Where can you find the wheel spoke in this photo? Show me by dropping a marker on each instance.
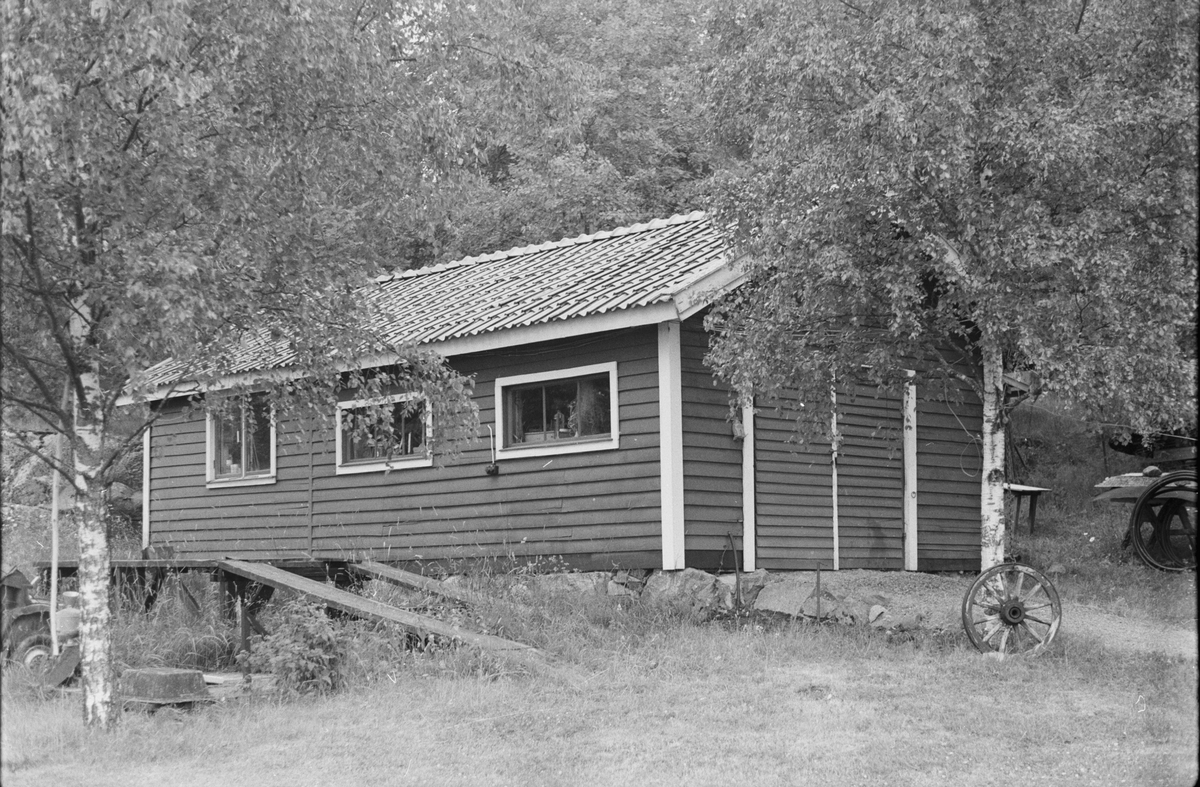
(1039, 606)
(1004, 640)
(1037, 620)
(1034, 634)
(989, 633)
(1016, 591)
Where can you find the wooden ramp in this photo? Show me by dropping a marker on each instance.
(398, 576)
(358, 606)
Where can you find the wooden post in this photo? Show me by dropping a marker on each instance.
(243, 596)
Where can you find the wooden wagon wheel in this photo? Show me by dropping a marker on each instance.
(1163, 522)
(1011, 608)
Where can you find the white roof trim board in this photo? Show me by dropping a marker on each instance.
(644, 274)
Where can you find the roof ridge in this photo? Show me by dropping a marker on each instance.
(517, 251)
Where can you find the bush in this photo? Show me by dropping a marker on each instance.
(304, 652)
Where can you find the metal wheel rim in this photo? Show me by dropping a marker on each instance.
(35, 656)
(1013, 609)
(1163, 523)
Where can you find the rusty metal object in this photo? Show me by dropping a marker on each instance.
(1011, 609)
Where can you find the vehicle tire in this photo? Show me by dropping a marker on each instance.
(34, 653)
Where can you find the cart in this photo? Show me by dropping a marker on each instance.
(1162, 524)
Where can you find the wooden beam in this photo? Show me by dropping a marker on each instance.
(358, 606)
(408, 579)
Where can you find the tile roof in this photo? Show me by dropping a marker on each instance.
(625, 268)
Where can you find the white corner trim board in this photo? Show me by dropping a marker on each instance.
(670, 425)
(749, 503)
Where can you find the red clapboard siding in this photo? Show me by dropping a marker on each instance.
(870, 479)
(712, 458)
(595, 509)
(948, 481)
(793, 497)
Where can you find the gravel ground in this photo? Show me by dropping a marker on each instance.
(937, 598)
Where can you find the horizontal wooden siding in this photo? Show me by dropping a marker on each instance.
(793, 496)
(595, 510)
(712, 459)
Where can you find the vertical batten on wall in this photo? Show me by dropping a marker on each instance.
(670, 425)
(833, 472)
(910, 476)
(748, 484)
(146, 487)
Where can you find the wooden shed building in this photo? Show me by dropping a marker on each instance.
(611, 445)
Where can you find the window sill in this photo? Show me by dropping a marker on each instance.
(552, 449)
(222, 483)
(383, 467)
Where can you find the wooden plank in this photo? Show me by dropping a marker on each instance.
(408, 579)
(371, 609)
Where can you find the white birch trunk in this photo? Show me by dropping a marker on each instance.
(992, 494)
(95, 637)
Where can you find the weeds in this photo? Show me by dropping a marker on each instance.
(304, 652)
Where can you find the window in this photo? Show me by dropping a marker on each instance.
(566, 411)
(383, 434)
(241, 443)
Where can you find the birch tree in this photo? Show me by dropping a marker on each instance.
(180, 175)
(1018, 178)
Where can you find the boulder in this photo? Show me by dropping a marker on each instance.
(699, 588)
(751, 585)
(627, 583)
(575, 582)
(785, 597)
(829, 607)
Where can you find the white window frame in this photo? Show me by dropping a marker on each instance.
(210, 439)
(575, 446)
(425, 459)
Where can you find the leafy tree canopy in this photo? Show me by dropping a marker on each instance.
(178, 174)
(1017, 173)
(622, 139)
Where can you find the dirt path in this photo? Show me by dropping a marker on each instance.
(1131, 635)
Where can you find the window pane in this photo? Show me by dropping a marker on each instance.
(227, 444)
(558, 410)
(408, 424)
(592, 415)
(527, 415)
(560, 403)
(242, 439)
(374, 433)
(258, 429)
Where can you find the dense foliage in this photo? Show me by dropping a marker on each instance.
(1022, 173)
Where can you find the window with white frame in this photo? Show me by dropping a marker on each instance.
(383, 433)
(241, 442)
(564, 411)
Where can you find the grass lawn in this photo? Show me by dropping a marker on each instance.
(690, 704)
